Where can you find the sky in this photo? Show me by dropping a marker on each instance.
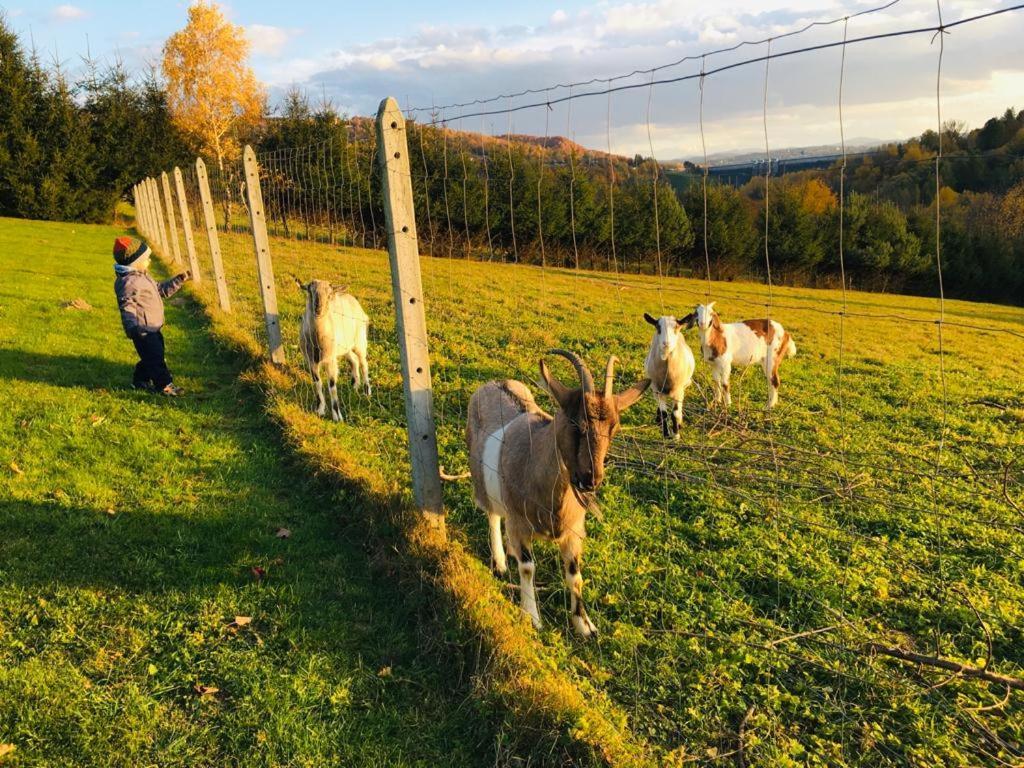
(432, 55)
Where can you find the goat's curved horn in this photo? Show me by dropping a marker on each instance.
(586, 380)
(609, 377)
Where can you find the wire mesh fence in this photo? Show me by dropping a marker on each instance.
(760, 576)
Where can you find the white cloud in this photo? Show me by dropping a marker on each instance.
(888, 84)
(268, 40)
(67, 12)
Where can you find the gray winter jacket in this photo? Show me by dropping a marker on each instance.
(140, 299)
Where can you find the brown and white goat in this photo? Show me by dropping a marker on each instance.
(540, 472)
(333, 325)
(748, 342)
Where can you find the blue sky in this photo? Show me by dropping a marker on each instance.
(451, 50)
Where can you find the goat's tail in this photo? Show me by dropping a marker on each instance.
(453, 478)
(790, 346)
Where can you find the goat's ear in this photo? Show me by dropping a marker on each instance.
(687, 322)
(557, 389)
(339, 289)
(650, 320)
(626, 398)
(711, 306)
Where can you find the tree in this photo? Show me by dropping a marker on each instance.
(731, 236)
(879, 249)
(212, 93)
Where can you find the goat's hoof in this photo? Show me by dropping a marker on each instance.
(584, 626)
(336, 417)
(535, 620)
(499, 569)
(321, 411)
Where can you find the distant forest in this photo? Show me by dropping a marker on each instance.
(72, 150)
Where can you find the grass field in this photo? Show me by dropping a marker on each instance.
(739, 576)
(131, 528)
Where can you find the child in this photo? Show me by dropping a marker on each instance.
(140, 299)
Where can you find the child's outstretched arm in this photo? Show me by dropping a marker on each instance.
(170, 287)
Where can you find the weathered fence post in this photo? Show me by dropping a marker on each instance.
(211, 235)
(147, 207)
(403, 249)
(186, 225)
(136, 204)
(140, 210)
(172, 225)
(258, 224)
(158, 225)
(154, 233)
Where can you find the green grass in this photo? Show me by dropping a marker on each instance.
(131, 525)
(738, 576)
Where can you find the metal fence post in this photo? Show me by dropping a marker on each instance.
(186, 225)
(210, 220)
(261, 244)
(172, 225)
(407, 289)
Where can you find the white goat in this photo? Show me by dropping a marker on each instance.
(540, 472)
(744, 343)
(669, 366)
(333, 325)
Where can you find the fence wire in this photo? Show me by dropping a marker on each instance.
(757, 564)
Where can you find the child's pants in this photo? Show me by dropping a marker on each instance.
(151, 369)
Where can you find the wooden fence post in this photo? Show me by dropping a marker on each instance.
(158, 225)
(140, 210)
(407, 290)
(172, 225)
(210, 221)
(258, 223)
(153, 232)
(147, 209)
(136, 202)
(186, 225)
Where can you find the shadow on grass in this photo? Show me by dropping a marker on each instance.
(65, 370)
(173, 552)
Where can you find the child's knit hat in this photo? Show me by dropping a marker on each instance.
(127, 250)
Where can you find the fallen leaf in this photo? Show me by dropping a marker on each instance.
(384, 672)
(97, 419)
(206, 690)
(5, 750)
(241, 621)
(258, 573)
(110, 512)
(283, 533)
(81, 304)
(16, 469)
(151, 669)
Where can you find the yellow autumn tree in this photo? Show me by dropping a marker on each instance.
(212, 93)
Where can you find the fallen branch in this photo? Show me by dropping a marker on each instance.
(964, 670)
(452, 478)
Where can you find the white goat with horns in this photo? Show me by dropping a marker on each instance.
(669, 366)
(748, 342)
(333, 325)
(540, 472)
